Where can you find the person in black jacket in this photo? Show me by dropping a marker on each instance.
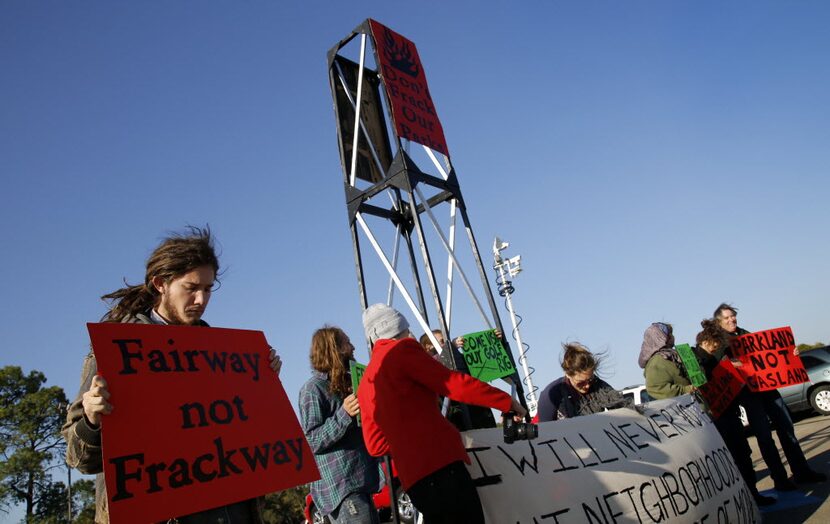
(712, 344)
(479, 417)
(580, 391)
(765, 410)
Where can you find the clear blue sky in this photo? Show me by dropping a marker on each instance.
(648, 160)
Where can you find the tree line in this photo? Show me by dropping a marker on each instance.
(807, 347)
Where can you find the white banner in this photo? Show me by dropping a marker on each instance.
(665, 462)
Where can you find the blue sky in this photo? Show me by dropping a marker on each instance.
(648, 160)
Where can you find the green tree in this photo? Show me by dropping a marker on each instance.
(807, 347)
(30, 441)
(83, 501)
(285, 507)
(51, 507)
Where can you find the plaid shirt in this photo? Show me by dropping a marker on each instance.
(337, 442)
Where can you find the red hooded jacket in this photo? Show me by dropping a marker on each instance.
(398, 398)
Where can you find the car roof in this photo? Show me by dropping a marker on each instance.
(822, 353)
(635, 386)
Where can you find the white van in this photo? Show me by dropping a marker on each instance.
(636, 394)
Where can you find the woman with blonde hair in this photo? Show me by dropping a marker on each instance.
(328, 409)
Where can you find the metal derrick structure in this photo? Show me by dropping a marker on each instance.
(386, 188)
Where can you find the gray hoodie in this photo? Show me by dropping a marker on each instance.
(657, 338)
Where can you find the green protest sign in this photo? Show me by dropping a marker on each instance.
(696, 375)
(357, 370)
(486, 356)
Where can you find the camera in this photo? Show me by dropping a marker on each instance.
(514, 431)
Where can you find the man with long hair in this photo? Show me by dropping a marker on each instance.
(712, 343)
(179, 278)
(765, 410)
(328, 412)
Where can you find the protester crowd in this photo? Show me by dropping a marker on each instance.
(401, 400)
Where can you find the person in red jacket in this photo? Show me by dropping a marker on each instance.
(397, 395)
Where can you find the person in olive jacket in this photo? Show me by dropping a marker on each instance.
(665, 374)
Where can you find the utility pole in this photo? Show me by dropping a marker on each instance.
(510, 267)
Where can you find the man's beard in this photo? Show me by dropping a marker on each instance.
(172, 316)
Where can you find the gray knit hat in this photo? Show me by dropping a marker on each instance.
(382, 321)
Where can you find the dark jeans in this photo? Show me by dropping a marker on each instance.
(357, 508)
(238, 512)
(447, 496)
(766, 410)
(731, 430)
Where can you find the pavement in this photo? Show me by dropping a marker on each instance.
(810, 503)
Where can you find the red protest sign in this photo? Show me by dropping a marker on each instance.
(768, 359)
(406, 88)
(199, 420)
(722, 387)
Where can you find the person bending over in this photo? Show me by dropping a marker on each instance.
(580, 391)
(397, 397)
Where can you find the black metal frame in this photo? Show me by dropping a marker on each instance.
(401, 179)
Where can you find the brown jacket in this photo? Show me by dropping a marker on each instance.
(83, 452)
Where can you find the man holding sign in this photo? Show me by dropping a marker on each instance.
(479, 416)
(179, 278)
(763, 407)
(721, 394)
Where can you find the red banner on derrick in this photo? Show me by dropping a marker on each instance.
(199, 421)
(768, 359)
(406, 88)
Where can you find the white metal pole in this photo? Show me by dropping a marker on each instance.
(360, 121)
(390, 292)
(398, 283)
(448, 309)
(356, 136)
(531, 393)
(453, 209)
(454, 261)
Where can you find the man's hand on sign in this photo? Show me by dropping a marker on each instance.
(351, 406)
(459, 341)
(737, 363)
(274, 361)
(95, 401)
(517, 408)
